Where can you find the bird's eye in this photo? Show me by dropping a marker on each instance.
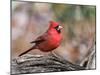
(57, 27)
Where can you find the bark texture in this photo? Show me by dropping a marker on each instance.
(40, 63)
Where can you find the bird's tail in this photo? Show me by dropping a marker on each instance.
(33, 47)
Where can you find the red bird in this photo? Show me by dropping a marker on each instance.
(49, 40)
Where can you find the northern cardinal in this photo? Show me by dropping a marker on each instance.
(50, 40)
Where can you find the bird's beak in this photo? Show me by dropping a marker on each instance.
(60, 27)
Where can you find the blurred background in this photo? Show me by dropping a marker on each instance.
(31, 19)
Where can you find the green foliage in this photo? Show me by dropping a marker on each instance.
(88, 11)
(67, 12)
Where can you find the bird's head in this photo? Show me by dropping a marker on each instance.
(56, 26)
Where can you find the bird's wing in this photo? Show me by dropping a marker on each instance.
(40, 39)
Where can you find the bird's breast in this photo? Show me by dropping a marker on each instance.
(53, 40)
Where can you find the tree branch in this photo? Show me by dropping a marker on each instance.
(41, 63)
